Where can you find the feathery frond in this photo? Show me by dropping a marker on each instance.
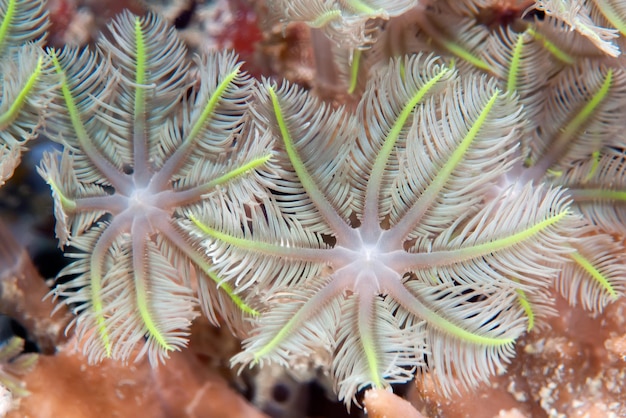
(26, 78)
(598, 187)
(576, 14)
(346, 21)
(143, 147)
(394, 256)
(595, 274)
(13, 364)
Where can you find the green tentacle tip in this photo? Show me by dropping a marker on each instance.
(354, 71)
(244, 168)
(515, 65)
(604, 282)
(9, 14)
(528, 309)
(325, 18)
(22, 97)
(212, 103)
(220, 283)
(68, 204)
(554, 173)
(197, 222)
(551, 47)
(237, 300)
(372, 361)
(363, 8)
(104, 337)
(462, 53)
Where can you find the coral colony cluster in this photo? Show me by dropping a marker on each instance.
(410, 215)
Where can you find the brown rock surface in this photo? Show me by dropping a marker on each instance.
(573, 368)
